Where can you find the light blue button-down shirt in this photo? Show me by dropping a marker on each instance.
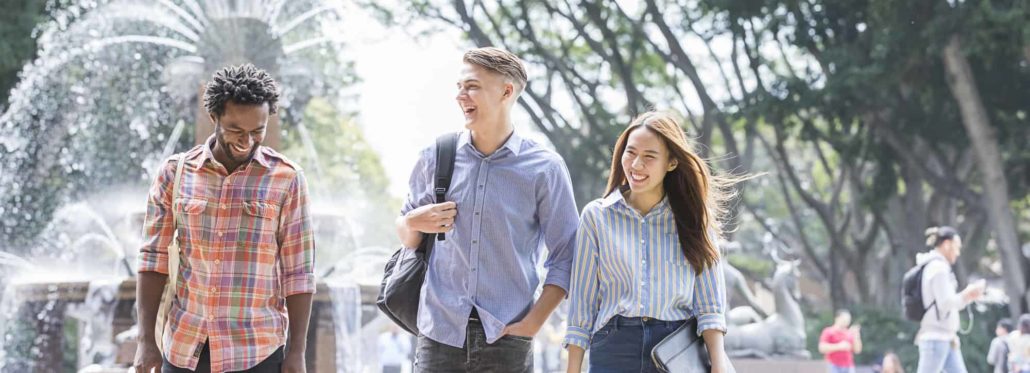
(511, 205)
(631, 265)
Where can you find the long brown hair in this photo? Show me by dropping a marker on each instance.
(696, 196)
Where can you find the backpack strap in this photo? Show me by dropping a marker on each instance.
(446, 150)
(936, 310)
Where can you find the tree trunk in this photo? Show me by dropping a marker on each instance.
(985, 146)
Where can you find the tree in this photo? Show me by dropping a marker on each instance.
(593, 82)
(17, 42)
(849, 99)
(345, 175)
(985, 143)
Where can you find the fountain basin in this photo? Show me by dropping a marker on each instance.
(57, 297)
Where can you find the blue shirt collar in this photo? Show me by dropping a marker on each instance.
(514, 143)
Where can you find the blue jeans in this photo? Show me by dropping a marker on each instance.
(624, 344)
(508, 354)
(839, 369)
(940, 356)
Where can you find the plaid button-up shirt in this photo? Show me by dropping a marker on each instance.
(246, 243)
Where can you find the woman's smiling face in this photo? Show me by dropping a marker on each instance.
(646, 160)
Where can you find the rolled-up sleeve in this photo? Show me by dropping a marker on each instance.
(709, 303)
(418, 183)
(159, 223)
(584, 298)
(419, 188)
(558, 222)
(296, 240)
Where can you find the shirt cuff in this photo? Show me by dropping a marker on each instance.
(577, 336)
(153, 262)
(559, 278)
(303, 283)
(708, 321)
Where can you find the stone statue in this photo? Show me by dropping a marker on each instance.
(738, 292)
(736, 285)
(782, 334)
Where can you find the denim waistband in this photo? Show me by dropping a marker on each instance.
(619, 321)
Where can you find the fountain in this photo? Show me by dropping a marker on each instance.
(118, 74)
(108, 99)
(74, 305)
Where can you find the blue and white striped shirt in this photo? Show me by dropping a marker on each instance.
(630, 265)
(511, 205)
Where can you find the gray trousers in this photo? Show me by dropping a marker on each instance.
(509, 354)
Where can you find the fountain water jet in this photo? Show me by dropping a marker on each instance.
(115, 75)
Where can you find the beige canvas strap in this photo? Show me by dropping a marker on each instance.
(173, 263)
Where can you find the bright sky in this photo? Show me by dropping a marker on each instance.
(407, 93)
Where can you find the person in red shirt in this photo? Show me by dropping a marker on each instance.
(840, 342)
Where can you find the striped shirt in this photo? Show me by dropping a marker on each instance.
(511, 205)
(246, 243)
(630, 265)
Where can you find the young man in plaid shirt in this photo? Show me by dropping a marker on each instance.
(245, 241)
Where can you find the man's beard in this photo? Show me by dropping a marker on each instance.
(227, 150)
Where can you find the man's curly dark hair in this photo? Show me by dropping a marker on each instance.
(243, 84)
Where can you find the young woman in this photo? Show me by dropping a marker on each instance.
(646, 257)
(938, 332)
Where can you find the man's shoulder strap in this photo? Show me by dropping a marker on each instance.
(446, 149)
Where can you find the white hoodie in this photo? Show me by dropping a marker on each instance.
(940, 323)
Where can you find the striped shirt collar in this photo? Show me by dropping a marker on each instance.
(514, 143)
(616, 197)
(207, 153)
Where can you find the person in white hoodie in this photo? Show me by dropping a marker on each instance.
(938, 332)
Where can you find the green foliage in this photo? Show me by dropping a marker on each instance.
(343, 169)
(342, 154)
(40, 329)
(754, 267)
(17, 44)
(881, 332)
(888, 331)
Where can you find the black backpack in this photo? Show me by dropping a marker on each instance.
(399, 293)
(912, 293)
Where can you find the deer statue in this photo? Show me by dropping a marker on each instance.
(737, 291)
(782, 334)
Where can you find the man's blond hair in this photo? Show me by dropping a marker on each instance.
(499, 61)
